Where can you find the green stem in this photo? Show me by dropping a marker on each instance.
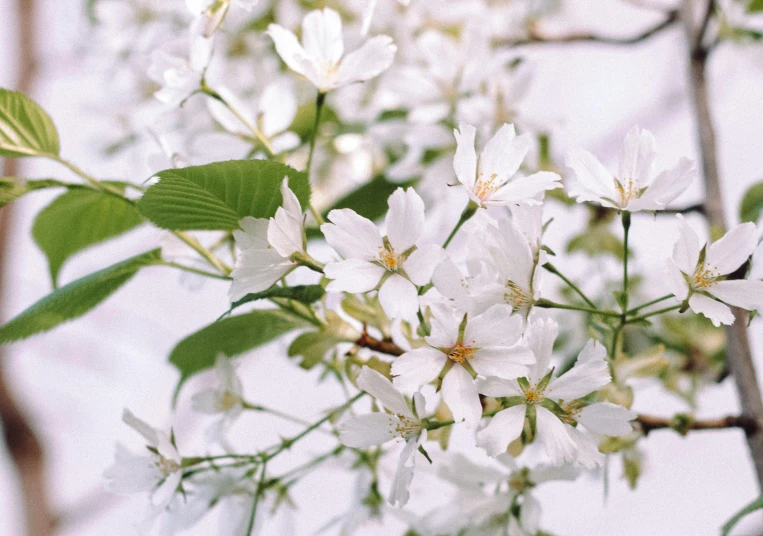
(653, 313)
(319, 101)
(312, 463)
(204, 252)
(469, 211)
(92, 181)
(551, 268)
(303, 259)
(626, 218)
(434, 425)
(647, 304)
(277, 413)
(547, 304)
(257, 495)
(195, 271)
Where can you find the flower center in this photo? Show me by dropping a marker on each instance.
(704, 276)
(227, 401)
(389, 258)
(460, 354)
(516, 296)
(405, 427)
(571, 414)
(485, 187)
(627, 189)
(534, 395)
(167, 467)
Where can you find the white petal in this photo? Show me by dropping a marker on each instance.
(288, 48)
(637, 156)
(465, 160)
(399, 493)
(420, 264)
(540, 337)
(592, 351)
(502, 361)
(460, 394)
(352, 235)
(580, 380)
(253, 233)
(687, 248)
(525, 189)
(163, 495)
(149, 433)
(674, 280)
(729, 252)
(714, 310)
(368, 13)
(363, 431)
(745, 294)
(417, 367)
(591, 175)
(399, 298)
(226, 374)
(588, 451)
(369, 61)
(131, 473)
(449, 281)
(670, 183)
(322, 35)
(494, 327)
(382, 389)
(445, 322)
(497, 387)
(503, 428)
(206, 401)
(503, 154)
(285, 229)
(551, 431)
(405, 219)
(353, 275)
(257, 270)
(607, 418)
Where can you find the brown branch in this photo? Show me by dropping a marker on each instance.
(738, 352)
(537, 39)
(648, 423)
(385, 346)
(24, 447)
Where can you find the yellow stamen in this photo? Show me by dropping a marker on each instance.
(461, 354)
(389, 258)
(483, 188)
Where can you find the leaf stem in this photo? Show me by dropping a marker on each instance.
(257, 495)
(653, 313)
(204, 252)
(548, 304)
(469, 211)
(92, 181)
(320, 99)
(647, 304)
(553, 269)
(195, 270)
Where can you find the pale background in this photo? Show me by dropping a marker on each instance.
(75, 380)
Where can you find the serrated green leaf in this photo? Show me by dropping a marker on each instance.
(752, 203)
(11, 188)
(216, 196)
(301, 293)
(25, 128)
(230, 336)
(757, 504)
(312, 346)
(75, 299)
(78, 219)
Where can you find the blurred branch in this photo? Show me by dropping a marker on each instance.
(648, 424)
(385, 346)
(24, 447)
(536, 38)
(738, 352)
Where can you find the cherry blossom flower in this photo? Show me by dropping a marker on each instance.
(461, 347)
(320, 56)
(635, 187)
(224, 400)
(403, 421)
(489, 179)
(697, 272)
(554, 403)
(158, 472)
(395, 263)
(267, 246)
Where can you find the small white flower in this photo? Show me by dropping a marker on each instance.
(489, 179)
(267, 246)
(158, 472)
(395, 263)
(368, 13)
(698, 271)
(634, 188)
(224, 400)
(403, 421)
(319, 57)
(486, 345)
(540, 391)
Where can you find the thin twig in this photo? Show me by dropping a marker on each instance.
(747, 424)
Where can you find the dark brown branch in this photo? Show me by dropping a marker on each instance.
(536, 38)
(24, 447)
(648, 424)
(738, 351)
(385, 346)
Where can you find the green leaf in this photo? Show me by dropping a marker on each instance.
(312, 346)
(752, 203)
(755, 6)
(230, 336)
(75, 299)
(596, 240)
(757, 504)
(25, 128)
(11, 188)
(216, 196)
(301, 293)
(78, 219)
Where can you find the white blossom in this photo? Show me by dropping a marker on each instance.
(225, 400)
(697, 272)
(319, 57)
(635, 187)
